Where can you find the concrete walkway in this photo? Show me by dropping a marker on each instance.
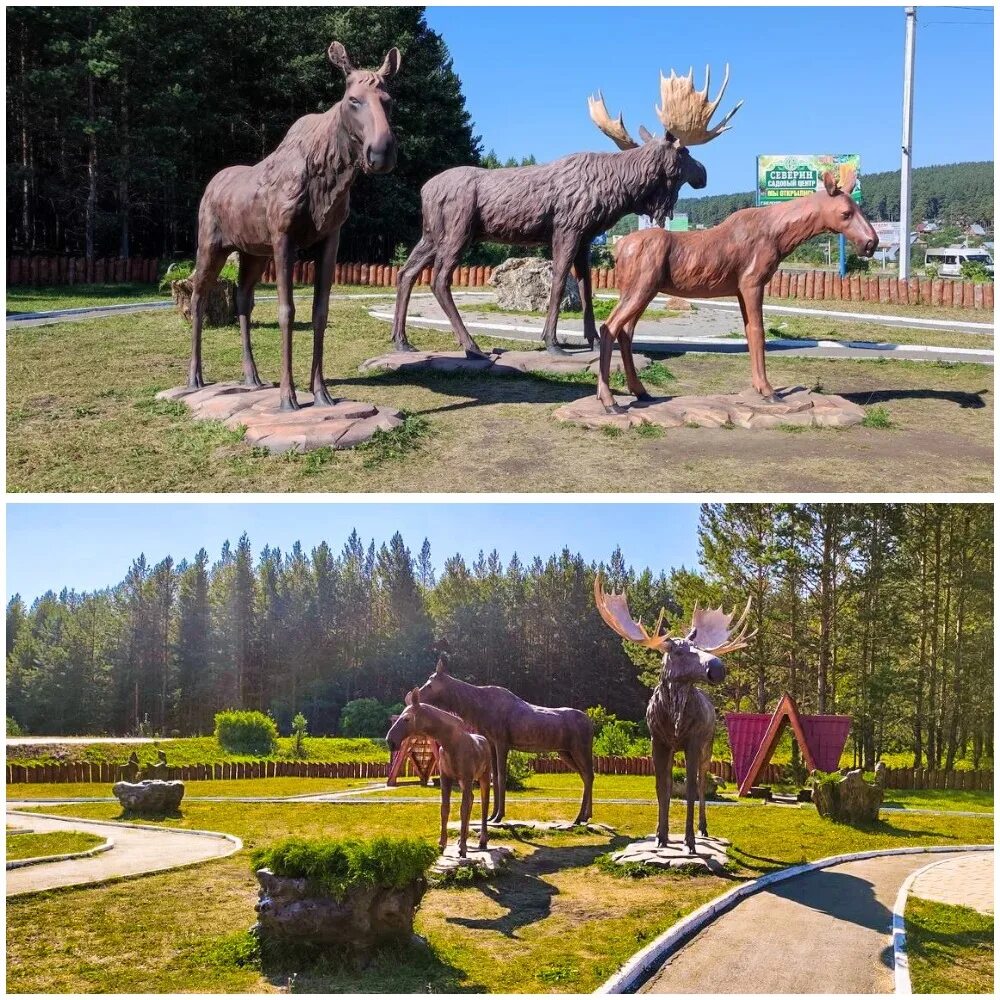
(137, 851)
(966, 880)
(827, 931)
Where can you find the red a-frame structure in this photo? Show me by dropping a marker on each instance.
(422, 751)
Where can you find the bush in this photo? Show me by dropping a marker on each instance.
(13, 728)
(931, 270)
(300, 730)
(365, 717)
(400, 255)
(335, 866)
(178, 270)
(252, 733)
(520, 767)
(856, 264)
(974, 271)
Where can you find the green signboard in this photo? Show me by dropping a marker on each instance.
(679, 223)
(782, 178)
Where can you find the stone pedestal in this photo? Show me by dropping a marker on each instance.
(710, 854)
(486, 863)
(343, 425)
(499, 362)
(149, 796)
(543, 826)
(849, 800)
(796, 407)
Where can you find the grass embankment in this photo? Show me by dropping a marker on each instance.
(950, 948)
(45, 845)
(818, 328)
(555, 922)
(82, 417)
(195, 750)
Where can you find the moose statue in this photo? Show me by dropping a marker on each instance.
(563, 204)
(679, 716)
(295, 199)
(737, 257)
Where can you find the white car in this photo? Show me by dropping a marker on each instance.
(949, 260)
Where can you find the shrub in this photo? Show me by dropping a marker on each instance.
(520, 767)
(252, 733)
(856, 264)
(400, 255)
(300, 730)
(972, 270)
(931, 270)
(335, 866)
(365, 717)
(181, 269)
(13, 728)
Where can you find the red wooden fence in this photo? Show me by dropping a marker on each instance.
(898, 777)
(39, 270)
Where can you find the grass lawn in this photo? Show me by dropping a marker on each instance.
(817, 328)
(26, 299)
(602, 310)
(555, 922)
(950, 948)
(194, 750)
(236, 788)
(886, 309)
(82, 417)
(43, 845)
(940, 798)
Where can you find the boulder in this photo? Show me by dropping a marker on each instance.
(220, 304)
(524, 284)
(294, 910)
(880, 774)
(849, 799)
(149, 796)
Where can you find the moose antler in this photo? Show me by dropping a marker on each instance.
(614, 610)
(712, 630)
(686, 112)
(613, 128)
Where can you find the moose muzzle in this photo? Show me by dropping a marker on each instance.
(380, 158)
(715, 670)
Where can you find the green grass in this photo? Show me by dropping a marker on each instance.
(234, 788)
(554, 921)
(950, 948)
(195, 750)
(602, 310)
(968, 800)
(25, 299)
(877, 416)
(44, 845)
(817, 328)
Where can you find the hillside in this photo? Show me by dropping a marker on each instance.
(953, 192)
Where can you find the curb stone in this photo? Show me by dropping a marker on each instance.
(45, 859)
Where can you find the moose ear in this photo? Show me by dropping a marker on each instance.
(338, 56)
(414, 698)
(442, 664)
(645, 134)
(830, 183)
(848, 179)
(390, 67)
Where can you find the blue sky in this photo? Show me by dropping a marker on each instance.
(814, 79)
(89, 546)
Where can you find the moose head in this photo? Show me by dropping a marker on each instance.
(408, 723)
(696, 657)
(841, 214)
(366, 108)
(685, 114)
(435, 690)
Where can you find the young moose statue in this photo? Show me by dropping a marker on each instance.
(465, 758)
(737, 257)
(295, 199)
(679, 716)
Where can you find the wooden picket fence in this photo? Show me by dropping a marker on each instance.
(40, 270)
(71, 773)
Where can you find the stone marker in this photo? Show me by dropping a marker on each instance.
(797, 406)
(849, 800)
(149, 796)
(524, 284)
(220, 301)
(710, 854)
(343, 425)
(487, 863)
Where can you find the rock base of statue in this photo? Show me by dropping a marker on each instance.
(542, 826)
(293, 911)
(220, 303)
(149, 796)
(792, 407)
(710, 854)
(486, 863)
(524, 284)
(498, 362)
(848, 800)
(343, 425)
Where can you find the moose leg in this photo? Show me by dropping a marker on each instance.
(751, 306)
(583, 764)
(632, 379)
(484, 798)
(447, 258)
(321, 310)
(702, 779)
(423, 253)
(692, 760)
(500, 792)
(564, 250)
(604, 393)
(251, 268)
(445, 811)
(284, 259)
(582, 267)
(466, 814)
(663, 767)
(210, 263)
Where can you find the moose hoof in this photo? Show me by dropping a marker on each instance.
(195, 382)
(323, 399)
(404, 348)
(253, 383)
(289, 405)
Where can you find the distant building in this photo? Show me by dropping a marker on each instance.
(976, 230)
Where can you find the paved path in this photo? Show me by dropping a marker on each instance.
(966, 880)
(135, 852)
(823, 932)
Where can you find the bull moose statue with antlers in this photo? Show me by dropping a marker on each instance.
(737, 257)
(295, 199)
(563, 204)
(679, 716)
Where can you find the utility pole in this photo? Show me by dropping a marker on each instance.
(907, 165)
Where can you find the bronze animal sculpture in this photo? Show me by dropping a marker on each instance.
(465, 758)
(680, 716)
(737, 257)
(510, 723)
(563, 204)
(296, 199)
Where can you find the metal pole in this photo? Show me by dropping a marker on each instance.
(907, 164)
(842, 250)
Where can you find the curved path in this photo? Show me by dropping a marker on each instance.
(826, 931)
(137, 850)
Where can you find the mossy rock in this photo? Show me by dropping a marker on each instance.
(220, 304)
